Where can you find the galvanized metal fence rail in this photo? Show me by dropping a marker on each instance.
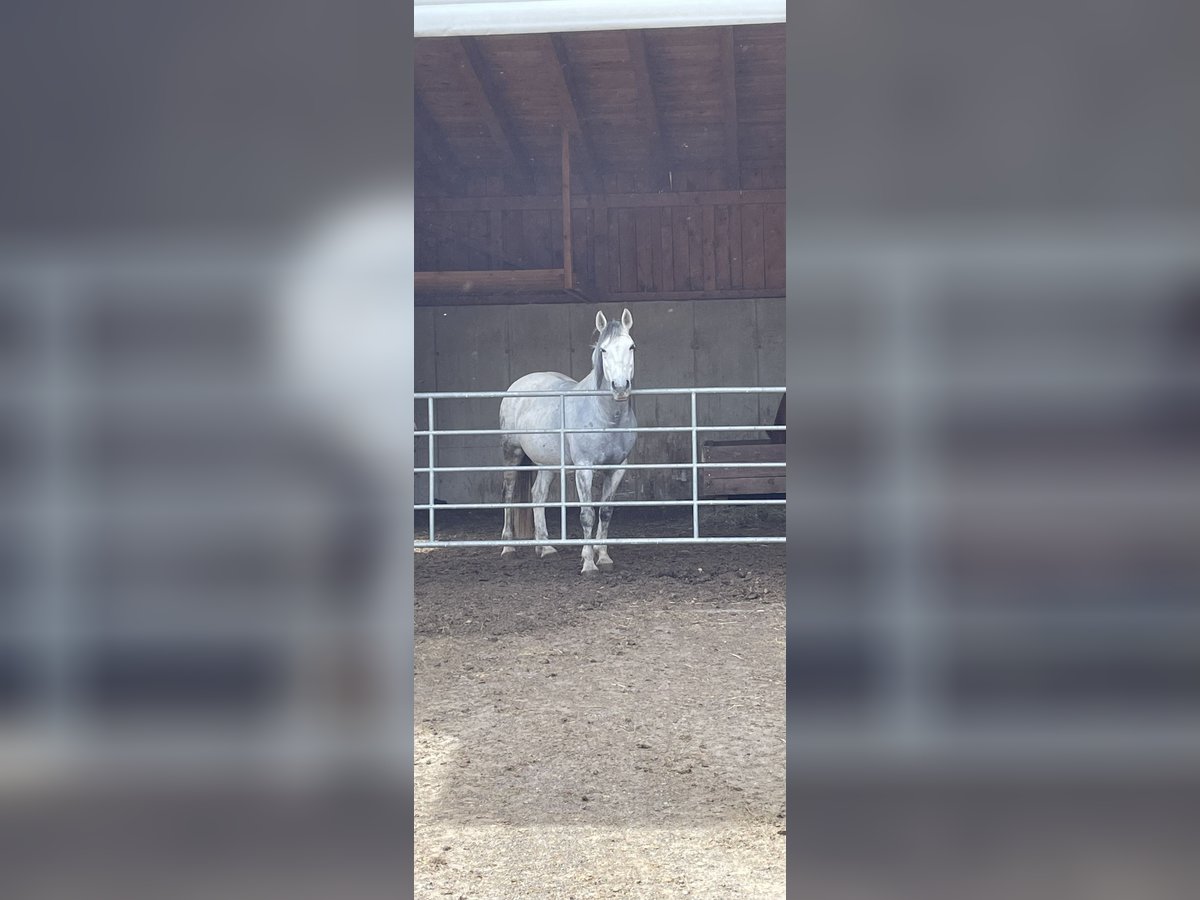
(432, 470)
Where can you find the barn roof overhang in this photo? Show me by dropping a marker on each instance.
(446, 18)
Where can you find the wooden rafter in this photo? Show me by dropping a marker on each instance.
(568, 101)
(568, 251)
(733, 162)
(481, 82)
(433, 150)
(648, 104)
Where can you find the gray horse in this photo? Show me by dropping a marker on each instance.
(612, 370)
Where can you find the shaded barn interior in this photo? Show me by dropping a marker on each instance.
(672, 205)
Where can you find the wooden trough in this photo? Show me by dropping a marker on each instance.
(732, 481)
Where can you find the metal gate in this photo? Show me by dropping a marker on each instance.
(694, 429)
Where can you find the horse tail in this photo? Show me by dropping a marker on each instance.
(523, 493)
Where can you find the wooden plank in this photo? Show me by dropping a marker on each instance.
(600, 243)
(708, 241)
(495, 238)
(695, 250)
(667, 251)
(568, 261)
(753, 269)
(733, 163)
(480, 247)
(648, 106)
(774, 245)
(514, 241)
(653, 240)
(484, 90)
(680, 238)
(628, 238)
(721, 247)
(735, 248)
(738, 482)
(613, 198)
(581, 244)
(560, 296)
(614, 252)
(647, 239)
(749, 451)
(489, 280)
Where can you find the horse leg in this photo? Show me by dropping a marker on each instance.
(606, 494)
(512, 457)
(587, 514)
(541, 489)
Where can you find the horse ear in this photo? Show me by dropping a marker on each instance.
(600, 320)
(626, 320)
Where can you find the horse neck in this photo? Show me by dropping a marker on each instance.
(606, 408)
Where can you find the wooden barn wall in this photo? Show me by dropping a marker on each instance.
(680, 344)
(627, 244)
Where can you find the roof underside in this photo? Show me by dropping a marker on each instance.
(651, 103)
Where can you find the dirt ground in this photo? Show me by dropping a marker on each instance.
(614, 735)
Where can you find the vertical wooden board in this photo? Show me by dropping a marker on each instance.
(514, 241)
(695, 250)
(628, 240)
(425, 250)
(647, 239)
(544, 238)
(735, 248)
(480, 255)
(771, 321)
(654, 241)
(600, 249)
(721, 247)
(774, 245)
(667, 250)
(614, 253)
(753, 270)
(708, 242)
(472, 355)
(581, 244)
(679, 236)
(496, 239)
(726, 355)
(458, 240)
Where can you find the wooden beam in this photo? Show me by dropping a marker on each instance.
(431, 146)
(648, 104)
(485, 92)
(569, 106)
(568, 251)
(489, 281)
(598, 201)
(540, 294)
(733, 161)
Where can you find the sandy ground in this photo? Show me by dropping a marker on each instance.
(618, 735)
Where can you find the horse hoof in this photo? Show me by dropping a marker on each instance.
(546, 551)
(508, 551)
(589, 569)
(604, 562)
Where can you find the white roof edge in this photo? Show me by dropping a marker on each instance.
(445, 18)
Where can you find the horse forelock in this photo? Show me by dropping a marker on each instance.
(611, 330)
